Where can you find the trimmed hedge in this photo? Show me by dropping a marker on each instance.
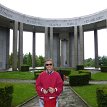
(79, 79)
(36, 74)
(85, 71)
(101, 96)
(65, 72)
(80, 67)
(103, 68)
(6, 92)
(24, 68)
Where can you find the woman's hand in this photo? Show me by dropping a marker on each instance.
(44, 91)
(51, 90)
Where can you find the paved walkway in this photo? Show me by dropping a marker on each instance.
(67, 99)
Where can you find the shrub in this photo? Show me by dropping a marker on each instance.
(24, 68)
(36, 74)
(80, 67)
(6, 95)
(103, 68)
(85, 71)
(65, 72)
(101, 96)
(79, 79)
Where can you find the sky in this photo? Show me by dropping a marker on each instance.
(60, 9)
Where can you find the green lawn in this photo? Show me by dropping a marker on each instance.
(88, 93)
(99, 76)
(22, 92)
(17, 75)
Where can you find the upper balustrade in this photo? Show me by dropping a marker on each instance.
(49, 22)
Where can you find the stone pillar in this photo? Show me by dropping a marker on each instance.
(33, 50)
(56, 50)
(67, 53)
(15, 34)
(63, 52)
(51, 42)
(71, 49)
(47, 44)
(75, 53)
(64, 36)
(7, 47)
(20, 54)
(4, 48)
(96, 48)
(81, 46)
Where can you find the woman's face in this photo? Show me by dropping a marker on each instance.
(49, 65)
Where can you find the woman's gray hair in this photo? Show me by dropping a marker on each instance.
(49, 60)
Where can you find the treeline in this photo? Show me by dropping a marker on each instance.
(39, 60)
(27, 60)
(91, 62)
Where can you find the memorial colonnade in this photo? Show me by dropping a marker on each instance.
(64, 38)
(65, 48)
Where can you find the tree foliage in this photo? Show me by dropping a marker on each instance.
(91, 62)
(103, 61)
(27, 60)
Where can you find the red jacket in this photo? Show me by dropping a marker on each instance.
(46, 80)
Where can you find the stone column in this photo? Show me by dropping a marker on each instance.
(64, 36)
(46, 43)
(71, 49)
(96, 48)
(4, 47)
(20, 54)
(51, 42)
(15, 34)
(56, 50)
(81, 46)
(63, 52)
(67, 53)
(75, 53)
(33, 49)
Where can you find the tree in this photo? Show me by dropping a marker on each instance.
(42, 60)
(89, 62)
(103, 60)
(27, 59)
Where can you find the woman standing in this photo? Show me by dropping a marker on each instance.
(49, 86)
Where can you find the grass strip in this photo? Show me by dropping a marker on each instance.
(22, 92)
(88, 93)
(99, 76)
(17, 75)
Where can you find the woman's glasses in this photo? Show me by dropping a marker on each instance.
(48, 64)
